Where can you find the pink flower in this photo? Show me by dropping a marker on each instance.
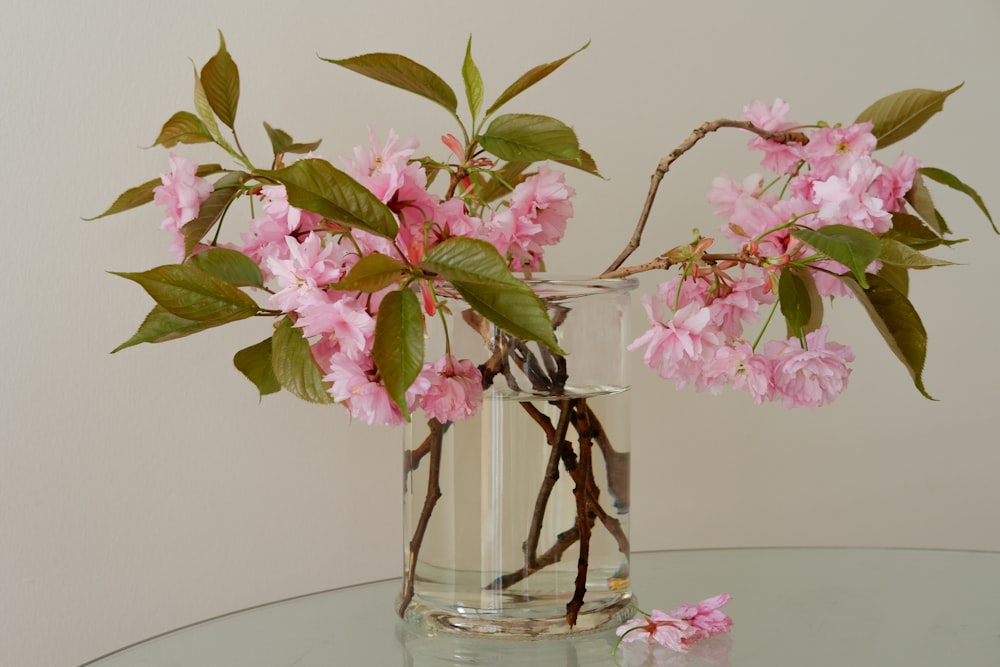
(381, 169)
(707, 616)
(895, 181)
(739, 304)
(808, 377)
(725, 192)
(779, 158)
(311, 265)
(537, 215)
(681, 628)
(455, 392)
(846, 200)
(660, 628)
(354, 384)
(277, 208)
(677, 349)
(737, 365)
(833, 150)
(181, 195)
(343, 316)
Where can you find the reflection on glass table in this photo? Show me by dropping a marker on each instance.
(791, 607)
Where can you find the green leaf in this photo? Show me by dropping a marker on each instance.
(919, 197)
(293, 364)
(912, 231)
(584, 163)
(953, 182)
(143, 194)
(316, 185)
(221, 80)
(225, 191)
(401, 72)
(854, 248)
(899, 254)
(372, 273)
(255, 363)
(480, 275)
(473, 81)
(204, 109)
(193, 294)
(898, 322)
(897, 277)
(398, 348)
(899, 115)
(801, 304)
(529, 138)
(182, 128)
(161, 325)
(230, 265)
(503, 180)
(282, 142)
(528, 79)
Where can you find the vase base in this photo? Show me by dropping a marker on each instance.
(472, 623)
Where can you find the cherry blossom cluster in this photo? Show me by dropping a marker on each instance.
(680, 628)
(697, 320)
(302, 257)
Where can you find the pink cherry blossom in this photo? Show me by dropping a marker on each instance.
(456, 390)
(341, 315)
(707, 616)
(681, 628)
(780, 158)
(725, 192)
(354, 385)
(846, 200)
(808, 377)
(381, 168)
(739, 304)
(678, 348)
(537, 215)
(311, 266)
(274, 200)
(895, 181)
(181, 196)
(737, 366)
(659, 628)
(832, 150)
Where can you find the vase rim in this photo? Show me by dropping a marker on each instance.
(577, 281)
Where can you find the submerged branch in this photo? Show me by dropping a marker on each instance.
(556, 438)
(434, 440)
(584, 518)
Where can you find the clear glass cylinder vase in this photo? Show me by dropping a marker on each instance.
(516, 520)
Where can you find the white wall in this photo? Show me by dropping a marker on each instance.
(149, 489)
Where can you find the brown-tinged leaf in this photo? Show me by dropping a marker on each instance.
(398, 348)
(953, 182)
(255, 363)
(401, 72)
(221, 80)
(528, 79)
(899, 115)
(183, 128)
(293, 364)
(898, 322)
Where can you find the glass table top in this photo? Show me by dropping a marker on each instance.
(794, 607)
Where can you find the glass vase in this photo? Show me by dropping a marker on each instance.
(516, 520)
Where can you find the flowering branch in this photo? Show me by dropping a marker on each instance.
(663, 263)
(353, 264)
(664, 166)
